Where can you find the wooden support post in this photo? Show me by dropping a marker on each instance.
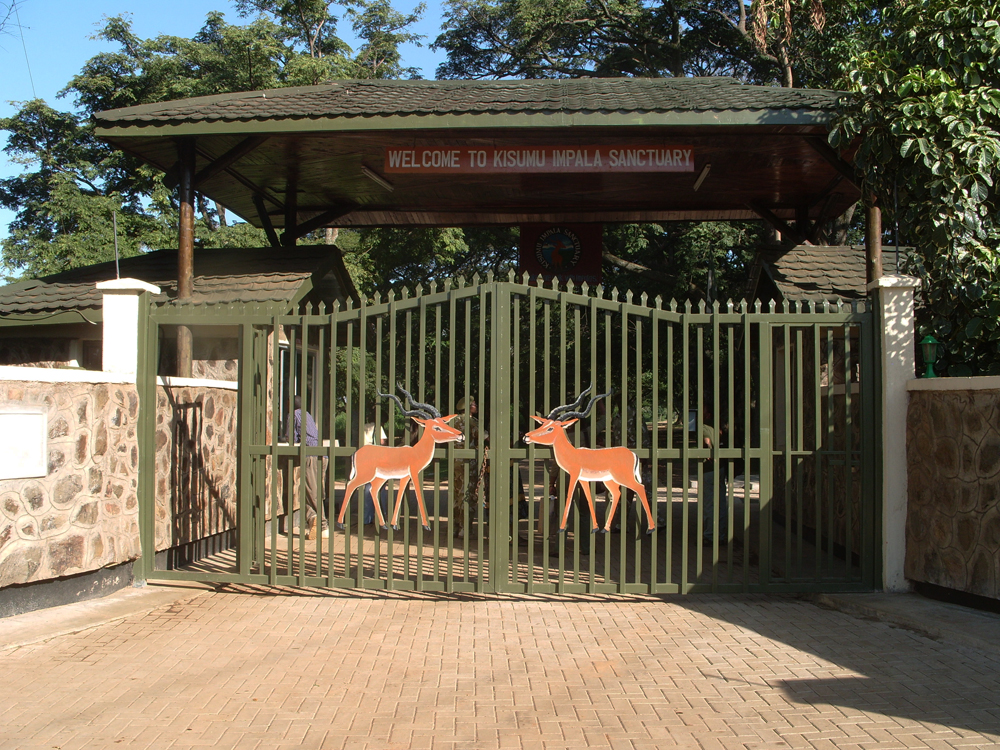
(289, 236)
(873, 240)
(185, 251)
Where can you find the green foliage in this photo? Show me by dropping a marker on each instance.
(683, 260)
(925, 114)
(74, 188)
(408, 256)
(307, 26)
(72, 183)
(805, 39)
(573, 38)
(384, 29)
(787, 45)
(64, 208)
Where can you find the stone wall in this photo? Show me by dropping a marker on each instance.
(84, 515)
(953, 474)
(215, 358)
(212, 357)
(196, 452)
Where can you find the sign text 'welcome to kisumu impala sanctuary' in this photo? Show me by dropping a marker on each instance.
(469, 160)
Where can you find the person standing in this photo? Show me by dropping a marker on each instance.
(467, 423)
(707, 492)
(302, 427)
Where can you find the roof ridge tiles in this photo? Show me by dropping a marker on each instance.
(367, 98)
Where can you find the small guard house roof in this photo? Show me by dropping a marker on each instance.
(817, 273)
(222, 276)
(319, 155)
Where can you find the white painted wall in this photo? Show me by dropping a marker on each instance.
(121, 323)
(894, 298)
(61, 375)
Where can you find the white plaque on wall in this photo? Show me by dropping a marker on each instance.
(23, 443)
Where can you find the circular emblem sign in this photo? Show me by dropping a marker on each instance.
(558, 249)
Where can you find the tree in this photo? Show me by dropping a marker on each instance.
(65, 206)
(567, 38)
(384, 29)
(73, 184)
(764, 42)
(924, 116)
(772, 24)
(384, 257)
(682, 260)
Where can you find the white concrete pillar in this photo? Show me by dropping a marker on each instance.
(121, 323)
(894, 305)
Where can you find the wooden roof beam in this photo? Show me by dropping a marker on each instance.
(788, 232)
(229, 158)
(265, 221)
(824, 149)
(316, 222)
(215, 166)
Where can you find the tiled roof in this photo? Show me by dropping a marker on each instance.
(822, 272)
(421, 98)
(220, 275)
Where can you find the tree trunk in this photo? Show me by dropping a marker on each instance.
(786, 67)
(205, 214)
(835, 232)
(678, 62)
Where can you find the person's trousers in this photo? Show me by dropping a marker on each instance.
(707, 493)
(311, 479)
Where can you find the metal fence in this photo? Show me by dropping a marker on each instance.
(764, 416)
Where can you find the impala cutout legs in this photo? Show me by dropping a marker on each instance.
(376, 464)
(616, 467)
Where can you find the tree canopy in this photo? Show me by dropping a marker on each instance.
(922, 116)
(925, 109)
(765, 42)
(73, 185)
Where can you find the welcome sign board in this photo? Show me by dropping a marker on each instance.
(604, 159)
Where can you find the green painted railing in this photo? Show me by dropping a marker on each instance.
(786, 398)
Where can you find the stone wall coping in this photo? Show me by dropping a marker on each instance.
(127, 285)
(61, 375)
(980, 383)
(170, 381)
(895, 280)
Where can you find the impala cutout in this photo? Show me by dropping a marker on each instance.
(376, 464)
(616, 467)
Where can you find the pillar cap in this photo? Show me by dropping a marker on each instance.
(127, 285)
(895, 281)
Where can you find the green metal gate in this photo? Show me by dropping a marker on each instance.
(764, 415)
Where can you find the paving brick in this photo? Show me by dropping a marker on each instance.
(238, 670)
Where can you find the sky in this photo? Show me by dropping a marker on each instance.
(56, 43)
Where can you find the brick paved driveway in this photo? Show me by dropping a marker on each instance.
(249, 668)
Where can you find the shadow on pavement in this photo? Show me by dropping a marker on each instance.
(888, 670)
